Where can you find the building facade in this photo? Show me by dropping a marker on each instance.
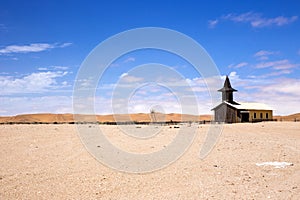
(230, 111)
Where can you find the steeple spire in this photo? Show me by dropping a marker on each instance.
(227, 91)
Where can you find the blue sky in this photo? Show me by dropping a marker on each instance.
(43, 43)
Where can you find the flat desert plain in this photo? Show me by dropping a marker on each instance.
(49, 162)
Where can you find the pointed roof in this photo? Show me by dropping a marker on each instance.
(227, 86)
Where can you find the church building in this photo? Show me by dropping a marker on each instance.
(230, 111)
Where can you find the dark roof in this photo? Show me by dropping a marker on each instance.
(227, 86)
(232, 105)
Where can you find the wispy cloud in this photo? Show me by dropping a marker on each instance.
(242, 64)
(34, 47)
(257, 20)
(120, 63)
(3, 27)
(278, 73)
(212, 23)
(51, 68)
(129, 78)
(264, 55)
(60, 67)
(66, 44)
(277, 65)
(287, 85)
(130, 59)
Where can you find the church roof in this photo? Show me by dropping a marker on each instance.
(249, 106)
(227, 86)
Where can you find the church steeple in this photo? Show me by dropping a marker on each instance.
(227, 91)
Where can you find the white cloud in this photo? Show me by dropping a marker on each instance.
(233, 75)
(66, 44)
(45, 104)
(165, 105)
(32, 83)
(256, 20)
(42, 68)
(212, 23)
(125, 77)
(242, 64)
(149, 96)
(34, 47)
(26, 48)
(86, 83)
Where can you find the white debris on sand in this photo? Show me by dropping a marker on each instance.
(275, 164)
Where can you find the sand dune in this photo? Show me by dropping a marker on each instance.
(43, 117)
(292, 117)
(66, 118)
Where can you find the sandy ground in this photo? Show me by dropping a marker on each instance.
(49, 162)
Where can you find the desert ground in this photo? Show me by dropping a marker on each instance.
(46, 161)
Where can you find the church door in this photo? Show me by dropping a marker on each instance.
(245, 117)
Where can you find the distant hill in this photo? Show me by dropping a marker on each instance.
(292, 117)
(45, 118)
(69, 118)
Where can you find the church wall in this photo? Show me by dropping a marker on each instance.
(260, 115)
(225, 113)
